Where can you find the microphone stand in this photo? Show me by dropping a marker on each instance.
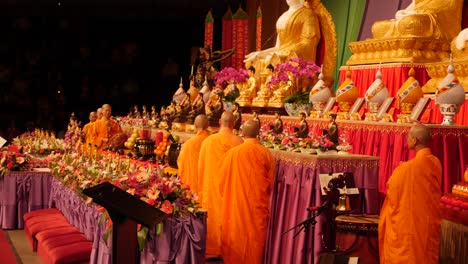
(305, 225)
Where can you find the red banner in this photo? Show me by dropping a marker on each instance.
(226, 37)
(240, 39)
(209, 30)
(258, 32)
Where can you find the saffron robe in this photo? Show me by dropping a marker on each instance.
(248, 171)
(105, 128)
(409, 225)
(88, 131)
(212, 150)
(187, 162)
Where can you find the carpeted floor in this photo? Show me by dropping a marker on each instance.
(15, 248)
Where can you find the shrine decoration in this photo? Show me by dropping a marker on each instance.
(240, 37)
(258, 32)
(226, 37)
(209, 24)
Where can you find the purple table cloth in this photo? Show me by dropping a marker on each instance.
(21, 192)
(297, 188)
(182, 240)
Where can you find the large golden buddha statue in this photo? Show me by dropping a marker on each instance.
(419, 33)
(299, 31)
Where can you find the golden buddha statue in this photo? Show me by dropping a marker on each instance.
(249, 89)
(298, 35)
(419, 33)
(265, 91)
(285, 88)
(438, 70)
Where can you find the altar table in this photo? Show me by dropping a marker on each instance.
(21, 192)
(388, 142)
(297, 188)
(182, 240)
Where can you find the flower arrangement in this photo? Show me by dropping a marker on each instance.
(230, 74)
(323, 143)
(40, 142)
(151, 183)
(13, 161)
(294, 68)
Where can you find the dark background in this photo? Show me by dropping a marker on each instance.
(59, 57)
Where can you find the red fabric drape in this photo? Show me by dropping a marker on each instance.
(209, 21)
(226, 37)
(239, 38)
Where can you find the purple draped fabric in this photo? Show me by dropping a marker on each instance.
(297, 187)
(21, 192)
(182, 240)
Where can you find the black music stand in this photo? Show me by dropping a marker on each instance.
(126, 211)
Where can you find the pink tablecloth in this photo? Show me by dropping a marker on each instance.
(21, 192)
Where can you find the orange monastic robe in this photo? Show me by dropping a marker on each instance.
(187, 162)
(88, 131)
(209, 178)
(249, 176)
(409, 227)
(105, 128)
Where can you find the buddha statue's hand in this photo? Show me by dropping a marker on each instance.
(251, 56)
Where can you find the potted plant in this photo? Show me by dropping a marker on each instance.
(302, 74)
(228, 78)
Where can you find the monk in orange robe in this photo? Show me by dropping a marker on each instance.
(105, 128)
(187, 162)
(212, 150)
(88, 129)
(409, 227)
(248, 171)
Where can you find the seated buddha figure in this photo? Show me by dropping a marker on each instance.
(265, 91)
(298, 34)
(285, 88)
(438, 19)
(249, 89)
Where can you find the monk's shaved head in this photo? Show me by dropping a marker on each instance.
(250, 129)
(201, 121)
(227, 119)
(421, 133)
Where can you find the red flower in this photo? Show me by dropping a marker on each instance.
(167, 207)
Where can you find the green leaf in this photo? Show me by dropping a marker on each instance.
(142, 234)
(105, 237)
(159, 229)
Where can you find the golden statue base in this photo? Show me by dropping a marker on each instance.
(276, 104)
(403, 119)
(190, 128)
(243, 101)
(262, 102)
(355, 117)
(342, 116)
(413, 50)
(387, 118)
(178, 127)
(315, 114)
(371, 117)
(438, 71)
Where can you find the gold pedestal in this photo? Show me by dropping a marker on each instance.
(438, 71)
(243, 101)
(342, 116)
(371, 117)
(414, 50)
(403, 119)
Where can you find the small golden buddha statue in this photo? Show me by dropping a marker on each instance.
(285, 88)
(265, 91)
(249, 88)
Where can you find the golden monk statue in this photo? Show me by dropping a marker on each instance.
(419, 33)
(249, 89)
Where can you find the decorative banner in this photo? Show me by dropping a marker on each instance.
(226, 38)
(258, 32)
(209, 24)
(239, 37)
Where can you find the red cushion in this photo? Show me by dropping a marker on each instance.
(34, 213)
(44, 218)
(59, 231)
(35, 228)
(57, 241)
(78, 252)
